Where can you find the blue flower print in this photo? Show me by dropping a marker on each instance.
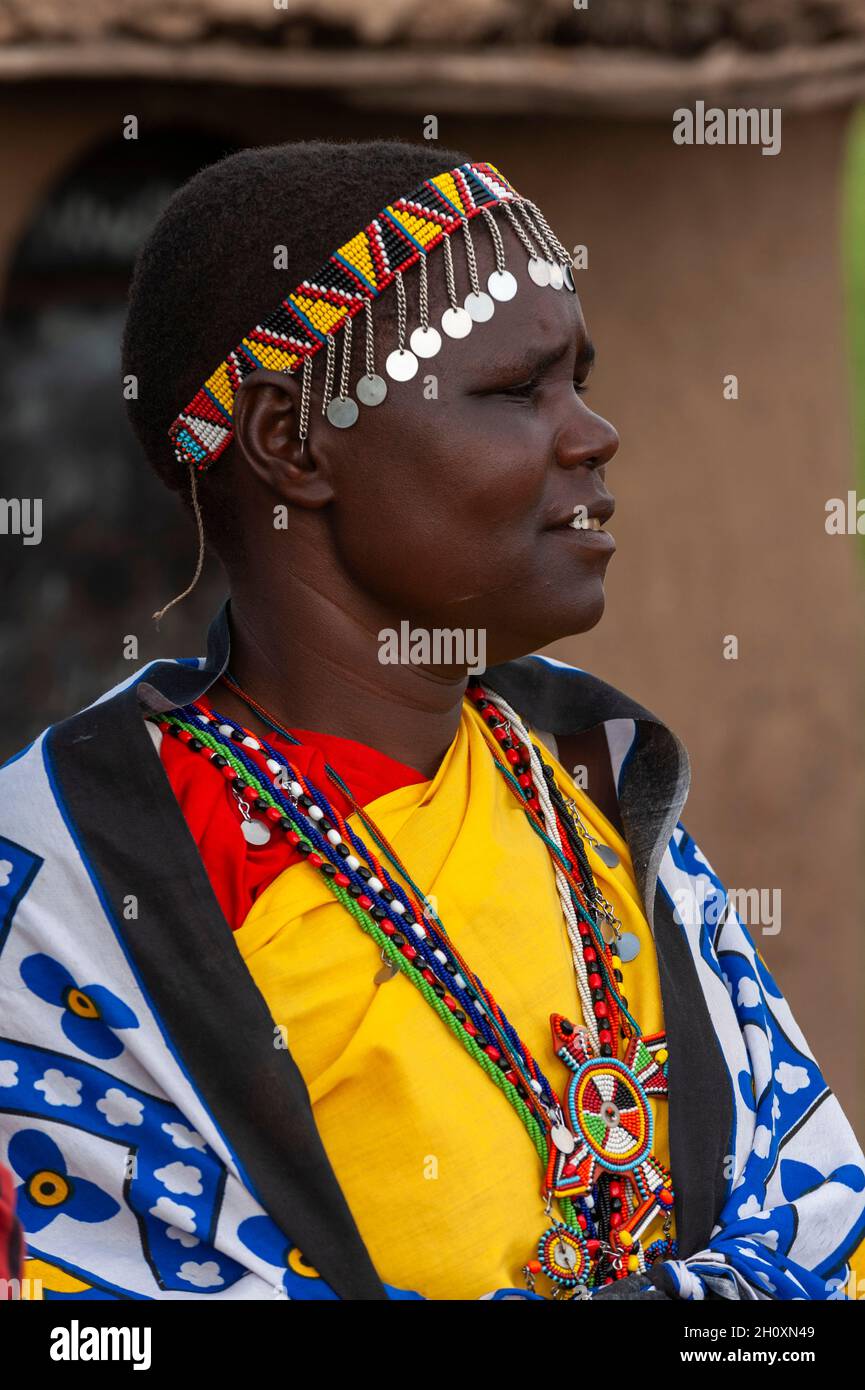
(90, 1012)
(260, 1235)
(47, 1189)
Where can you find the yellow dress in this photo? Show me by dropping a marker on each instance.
(437, 1168)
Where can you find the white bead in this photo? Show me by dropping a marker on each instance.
(315, 812)
(250, 742)
(459, 982)
(440, 955)
(397, 906)
(353, 862)
(375, 884)
(295, 788)
(419, 931)
(334, 837)
(273, 765)
(536, 1087)
(226, 729)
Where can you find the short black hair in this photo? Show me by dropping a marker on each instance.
(206, 273)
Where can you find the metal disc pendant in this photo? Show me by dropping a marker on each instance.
(539, 271)
(557, 279)
(502, 285)
(425, 342)
(371, 390)
(385, 973)
(255, 832)
(563, 1139)
(479, 306)
(607, 855)
(629, 946)
(569, 279)
(456, 323)
(342, 413)
(401, 364)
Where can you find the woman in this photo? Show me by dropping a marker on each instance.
(395, 973)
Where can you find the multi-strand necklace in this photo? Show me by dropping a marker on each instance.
(595, 1143)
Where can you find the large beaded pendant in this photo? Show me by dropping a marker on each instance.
(611, 1129)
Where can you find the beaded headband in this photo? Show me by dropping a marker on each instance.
(403, 233)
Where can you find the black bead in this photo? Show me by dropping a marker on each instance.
(260, 804)
(304, 802)
(438, 990)
(196, 745)
(606, 1050)
(328, 869)
(598, 995)
(364, 873)
(388, 895)
(398, 940)
(219, 760)
(566, 1027)
(378, 914)
(342, 850)
(354, 889)
(304, 847)
(238, 784)
(459, 1016)
(325, 825)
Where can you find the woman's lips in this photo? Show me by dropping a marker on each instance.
(590, 533)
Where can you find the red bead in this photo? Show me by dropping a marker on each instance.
(524, 779)
(605, 1036)
(228, 772)
(593, 1246)
(582, 1221)
(595, 981)
(184, 735)
(342, 879)
(388, 926)
(601, 1009)
(590, 953)
(470, 1029)
(273, 813)
(492, 1052)
(315, 859)
(294, 839)
(409, 951)
(364, 901)
(615, 1219)
(512, 756)
(500, 734)
(428, 975)
(615, 1189)
(665, 1197)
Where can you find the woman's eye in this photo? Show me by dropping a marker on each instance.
(524, 390)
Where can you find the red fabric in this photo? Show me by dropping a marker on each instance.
(11, 1239)
(239, 871)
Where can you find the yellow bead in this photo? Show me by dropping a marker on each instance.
(661, 1055)
(633, 1263)
(626, 1239)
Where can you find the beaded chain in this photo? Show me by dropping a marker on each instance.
(576, 1254)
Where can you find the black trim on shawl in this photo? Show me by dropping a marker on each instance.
(653, 788)
(134, 835)
(137, 840)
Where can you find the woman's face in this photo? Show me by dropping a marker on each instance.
(449, 498)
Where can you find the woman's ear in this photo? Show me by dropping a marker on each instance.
(266, 432)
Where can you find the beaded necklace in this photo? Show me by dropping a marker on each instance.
(595, 1145)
